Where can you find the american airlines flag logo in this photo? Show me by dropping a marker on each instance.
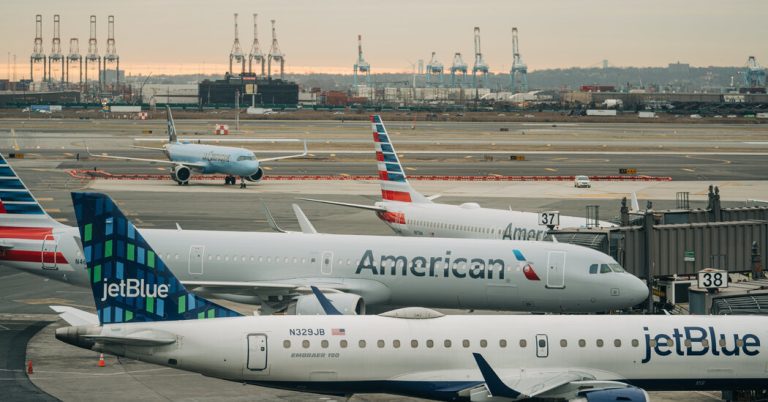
(338, 331)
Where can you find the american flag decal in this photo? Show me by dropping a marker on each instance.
(338, 331)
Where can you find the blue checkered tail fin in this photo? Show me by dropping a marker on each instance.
(130, 282)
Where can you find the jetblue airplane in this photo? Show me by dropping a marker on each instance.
(275, 270)
(145, 313)
(185, 157)
(410, 213)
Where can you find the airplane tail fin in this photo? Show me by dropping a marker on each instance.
(394, 184)
(130, 282)
(18, 207)
(171, 126)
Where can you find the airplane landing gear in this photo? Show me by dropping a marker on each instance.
(230, 180)
(242, 182)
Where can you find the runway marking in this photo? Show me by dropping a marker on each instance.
(53, 210)
(722, 161)
(266, 168)
(45, 198)
(47, 300)
(3, 327)
(550, 169)
(410, 168)
(15, 144)
(688, 170)
(756, 142)
(559, 159)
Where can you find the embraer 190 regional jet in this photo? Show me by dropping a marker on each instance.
(409, 213)
(144, 313)
(275, 270)
(185, 157)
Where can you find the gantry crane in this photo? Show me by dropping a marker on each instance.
(518, 74)
(256, 53)
(56, 56)
(434, 70)
(236, 53)
(111, 55)
(458, 66)
(480, 65)
(275, 54)
(361, 65)
(38, 55)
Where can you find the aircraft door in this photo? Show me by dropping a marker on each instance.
(196, 258)
(556, 269)
(257, 352)
(326, 263)
(542, 346)
(48, 253)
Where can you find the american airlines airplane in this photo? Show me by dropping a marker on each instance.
(276, 269)
(145, 313)
(185, 157)
(409, 213)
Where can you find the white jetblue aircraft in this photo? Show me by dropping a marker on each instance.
(410, 213)
(145, 313)
(276, 269)
(185, 157)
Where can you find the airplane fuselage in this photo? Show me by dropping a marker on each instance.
(432, 357)
(217, 159)
(384, 270)
(468, 221)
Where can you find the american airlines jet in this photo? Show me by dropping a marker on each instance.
(185, 157)
(409, 213)
(276, 269)
(145, 313)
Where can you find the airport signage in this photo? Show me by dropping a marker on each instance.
(713, 279)
(689, 256)
(627, 171)
(549, 218)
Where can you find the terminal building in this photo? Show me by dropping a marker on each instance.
(248, 89)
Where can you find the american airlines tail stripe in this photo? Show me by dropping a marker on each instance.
(6, 171)
(387, 148)
(376, 137)
(375, 119)
(33, 256)
(389, 157)
(518, 255)
(13, 232)
(392, 195)
(24, 209)
(11, 184)
(2, 160)
(392, 217)
(16, 196)
(379, 156)
(394, 167)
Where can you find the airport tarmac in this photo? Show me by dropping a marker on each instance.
(68, 373)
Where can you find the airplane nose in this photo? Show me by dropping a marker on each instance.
(637, 290)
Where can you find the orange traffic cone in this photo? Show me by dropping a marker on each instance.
(29, 367)
(101, 360)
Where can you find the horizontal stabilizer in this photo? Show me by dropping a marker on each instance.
(345, 204)
(141, 338)
(304, 223)
(75, 316)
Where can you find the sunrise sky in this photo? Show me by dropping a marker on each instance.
(195, 36)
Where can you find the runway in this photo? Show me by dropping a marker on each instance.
(68, 373)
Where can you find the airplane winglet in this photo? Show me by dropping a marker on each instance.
(271, 219)
(304, 223)
(492, 381)
(634, 206)
(324, 302)
(434, 197)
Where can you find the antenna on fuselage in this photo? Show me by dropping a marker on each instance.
(171, 126)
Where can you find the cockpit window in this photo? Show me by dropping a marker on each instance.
(246, 158)
(593, 269)
(616, 267)
(604, 269)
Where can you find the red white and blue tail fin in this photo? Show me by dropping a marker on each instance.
(394, 184)
(18, 207)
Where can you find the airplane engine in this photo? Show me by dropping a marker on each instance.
(346, 303)
(630, 394)
(256, 177)
(181, 174)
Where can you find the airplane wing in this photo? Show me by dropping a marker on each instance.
(345, 204)
(165, 161)
(567, 383)
(215, 140)
(258, 288)
(277, 158)
(75, 316)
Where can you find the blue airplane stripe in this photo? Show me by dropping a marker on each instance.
(383, 138)
(377, 119)
(390, 157)
(387, 148)
(394, 168)
(6, 171)
(518, 255)
(26, 209)
(12, 184)
(395, 177)
(17, 196)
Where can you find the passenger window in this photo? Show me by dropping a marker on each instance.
(324, 344)
(705, 343)
(396, 343)
(523, 343)
(305, 344)
(414, 343)
(361, 344)
(563, 343)
(502, 343)
(687, 343)
(380, 343)
(599, 343)
(582, 343)
(447, 343)
(740, 343)
(343, 343)
(465, 343)
(430, 343)
(652, 343)
(635, 343)
(617, 343)
(593, 269)
(286, 344)
(604, 269)
(483, 343)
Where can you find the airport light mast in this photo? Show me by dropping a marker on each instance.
(361, 65)
(256, 53)
(38, 55)
(480, 65)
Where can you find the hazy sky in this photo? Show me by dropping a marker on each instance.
(315, 35)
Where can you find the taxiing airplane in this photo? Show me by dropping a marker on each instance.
(145, 313)
(186, 157)
(276, 269)
(409, 213)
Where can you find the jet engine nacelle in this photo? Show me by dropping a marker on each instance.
(346, 303)
(181, 174)
(256, 176)
(630, 394)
